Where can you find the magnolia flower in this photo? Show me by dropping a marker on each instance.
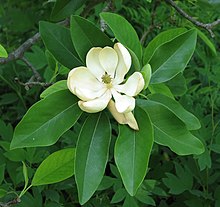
(102, 80)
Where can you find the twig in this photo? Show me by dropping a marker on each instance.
(19, 52)
(89, 6)
(10, 203)
(29, 84)
(207, 26)
(103, 25)
(152, 24)
(35, 72)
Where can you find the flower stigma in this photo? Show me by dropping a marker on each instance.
(106, 79)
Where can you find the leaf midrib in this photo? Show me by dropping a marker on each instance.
(92, 140)
(67, 49)
(171, 56)
(47, 122)
(176, 140)
(46, 174)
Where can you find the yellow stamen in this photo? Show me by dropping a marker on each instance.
(106, 79)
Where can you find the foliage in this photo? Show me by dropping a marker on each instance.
(53, 154)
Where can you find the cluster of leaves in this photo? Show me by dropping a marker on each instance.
(171, 179)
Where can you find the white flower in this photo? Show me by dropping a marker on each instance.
(102, 79)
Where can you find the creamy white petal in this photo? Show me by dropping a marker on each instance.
(131, 121)
(123, 103)
(133, 86)
(84, 84)
(93, 63)
(86, 94)
(97, 104)
(124, 63)
(109, 60)
(119, 117)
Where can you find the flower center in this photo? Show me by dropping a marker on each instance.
(106, 78)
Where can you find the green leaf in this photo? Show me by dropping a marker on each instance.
(123, 31)
(135, 61)
(191, 122)
(130, 202)
(170, 130)
(132, 151)
(206, 40)
(146, 72)
(57, 39)
(3, 192)
(47, 120)
(177, 85)
(55, 168)
(16, 155)
(25, 174)
(64, 8)
(86, 35)
(204, 160)
(143, 196)
(2, 173)
(172, 57)
(58, 86)
(159, 40)
(3, 52)
(119, 195)
(160, 88)
(180, 182)
(106, 183)
(92, 154)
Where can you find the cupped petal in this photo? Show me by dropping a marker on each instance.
(93, 63)
(84, 84)
(119, 117)
(109, 60)
(133, 86)
(123, 103)
(123, 118)
(124, 63)
(97, 104)
(131, 121)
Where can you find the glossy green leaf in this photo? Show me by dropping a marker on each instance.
(86, 35)
(57, 39)
(132, 151)
(172, 57)
(135, 61)
(159, 40)
(47, 120)
(55, 168)
(206, 40)
(177, 85)
(64, 8)
(146, 72)
(92, 154)
(123, 31)
(58, 86)
(3, 52)
(161, 88)
(191, 122)
(170, 130)
(119, 195)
